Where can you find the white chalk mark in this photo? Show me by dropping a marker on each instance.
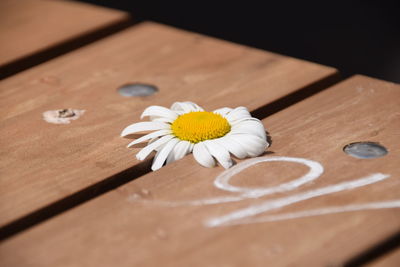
(222, 180)
(282, 202)
(246, 215)
(323, 211)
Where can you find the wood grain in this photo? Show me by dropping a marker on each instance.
(131, 227)
(43, 163)
(29, 27)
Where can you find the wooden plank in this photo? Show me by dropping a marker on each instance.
(44, 163)
(30, 27)
(149, 222)
(390, 260)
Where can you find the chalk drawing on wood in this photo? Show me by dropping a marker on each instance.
(253, 213)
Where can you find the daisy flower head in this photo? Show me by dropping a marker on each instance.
(211, 136)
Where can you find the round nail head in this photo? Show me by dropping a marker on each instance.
(365, 150)
(137, 89)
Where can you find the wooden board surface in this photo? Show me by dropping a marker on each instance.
(43, 163)
(31, 26)
(392, 259)
(161, 218)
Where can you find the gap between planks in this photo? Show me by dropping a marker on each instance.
(65, 47)
(141, 169)
(378, 246)
(26, 19)
(382, 249)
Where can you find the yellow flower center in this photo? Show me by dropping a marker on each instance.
(200, 126)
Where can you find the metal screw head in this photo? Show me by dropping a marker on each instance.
(137, 89)
(365, 150)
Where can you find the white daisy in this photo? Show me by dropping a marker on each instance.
(187, 128)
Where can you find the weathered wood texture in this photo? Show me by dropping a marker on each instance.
(42, 162)
(138, 225)
(390, 260)
(29, 27)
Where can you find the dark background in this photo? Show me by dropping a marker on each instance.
(354, 36)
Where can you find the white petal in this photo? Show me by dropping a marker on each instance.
(243, 119)
(222, 111)
(180, 150)
(249, 127)
(233, 147)
(162, 155)
(161, 119)
(238, 113)
(158, 148)
(185, 107)
(150, 136)
(191, 147)
(219, 152)
(153, 146)
(144, 126)
(158, 111)
(253, 145)
(152, 140)
(202, 155)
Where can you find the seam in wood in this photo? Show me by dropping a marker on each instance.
(64, 47)
(143, 168)
(297, 96)
(75, 199)
(386, 246)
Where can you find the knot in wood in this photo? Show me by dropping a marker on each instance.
(66, 113)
